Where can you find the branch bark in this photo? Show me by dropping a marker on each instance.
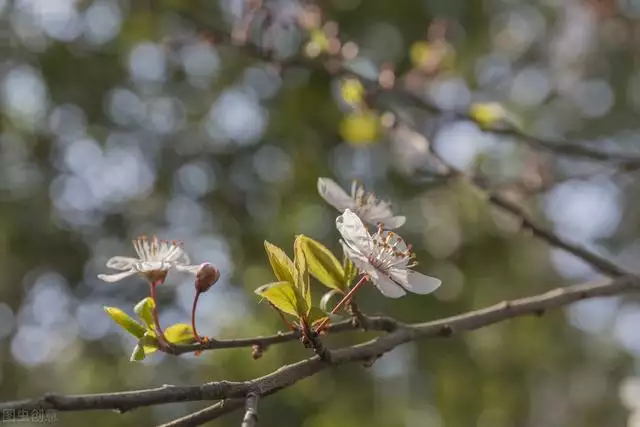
(289, 375)
(251, 410)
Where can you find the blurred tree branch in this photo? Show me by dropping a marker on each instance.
(365, 352)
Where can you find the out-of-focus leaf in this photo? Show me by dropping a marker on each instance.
(326, 300)
(281, 264)
(144, 310)
(138, 354)
(352, 91)
(126, 321)
(282, 295)
(302, 279)
(180, 333)
(360, 128)
(323, 265)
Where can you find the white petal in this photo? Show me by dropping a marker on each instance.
(112, 278)
(122, 263)
(193, 269)
(334, 194)
(385, 285)
(354, 232)
(415, 282)
(144, 267)
(393, 222)
(354, 255)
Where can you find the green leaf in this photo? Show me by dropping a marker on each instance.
(302, 278)
(282, 295)
(350, 271)
(126, 321)
(323, 265)
(315, 313)
(144, 310)
(281, 264)
(180, 333)
(149, 342)
(138, 354)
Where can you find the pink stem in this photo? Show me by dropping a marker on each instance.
(344, 300)
(193, 317)
(161, 338)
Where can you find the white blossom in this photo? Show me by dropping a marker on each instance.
(364, 204)
(155, 259)
(384, 257)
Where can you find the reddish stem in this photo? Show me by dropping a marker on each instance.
(156, 320)
(193, 317)
(344, 300)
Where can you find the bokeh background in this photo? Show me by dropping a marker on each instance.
(124, 117)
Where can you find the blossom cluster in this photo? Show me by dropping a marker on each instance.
(381, 257)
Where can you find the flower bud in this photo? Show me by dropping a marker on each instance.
(206, 277)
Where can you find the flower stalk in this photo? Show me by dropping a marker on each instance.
(344, 300)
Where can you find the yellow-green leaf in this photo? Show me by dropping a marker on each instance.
(149, 342)
(302, 279)
(282, 295)
(138, 354)
(144, 310)
(323, 265)
(281, 264)
(126, 321)
(180, 333)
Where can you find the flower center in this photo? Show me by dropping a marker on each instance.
(390, 251)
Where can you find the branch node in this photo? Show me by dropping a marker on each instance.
(446, 331)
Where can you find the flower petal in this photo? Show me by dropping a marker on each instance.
(415, 282)
(192, 269)
(122, 263)
(385, 285)
(145, 267)
(393, 222)
(334, 194)
(354, 232)
(360, 261)
(112, 278)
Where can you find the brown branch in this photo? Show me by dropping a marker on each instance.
(375, 323)
(207, 414)
(289, 375)
(385, 98)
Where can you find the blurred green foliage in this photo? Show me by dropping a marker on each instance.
(111, 132)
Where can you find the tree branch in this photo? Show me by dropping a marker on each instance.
(251, 410)
(290, 374)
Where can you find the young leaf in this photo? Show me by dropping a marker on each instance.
(144, 310)
(282, 295)
(124, 320)
(281, 264)
(323, 265)
(138, 354)
(149, 342)
(302, 279)
(180, 333)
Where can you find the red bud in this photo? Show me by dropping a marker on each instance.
(206, 277)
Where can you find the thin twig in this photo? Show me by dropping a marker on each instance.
(251, 410)
(288, 375)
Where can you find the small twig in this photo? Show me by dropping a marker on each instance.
(251, 410)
